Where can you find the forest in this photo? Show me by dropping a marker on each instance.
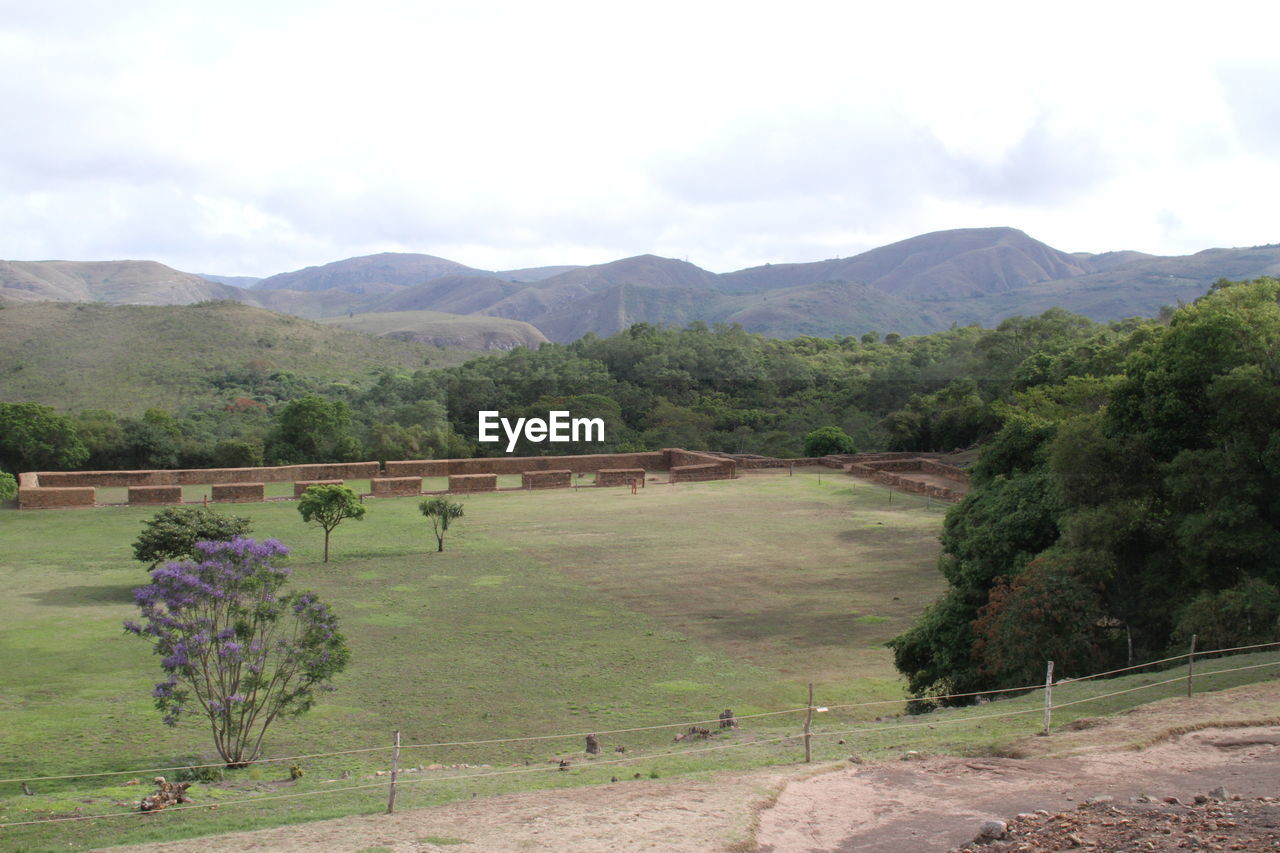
(696, 387)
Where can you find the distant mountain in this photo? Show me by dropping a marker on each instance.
(918, 285)
(533, 273)
(941, 265)
(118, 282)
(358, 274)
(245, 281)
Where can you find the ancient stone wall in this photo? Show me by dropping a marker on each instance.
(154, 495)
(619, 476)
(417, 468)
(561, 479)
(237, 492)
(677, 458)
(32, 494)
(520, 464)
(941, 469)
(208, 476)
(473, 482)
(301, 486)
(395, 487)
(698, 473)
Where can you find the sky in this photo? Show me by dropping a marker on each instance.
(250, 138)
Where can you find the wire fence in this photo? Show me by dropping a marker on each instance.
(902, 727)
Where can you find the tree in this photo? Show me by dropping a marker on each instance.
(8, 487)
(173, 533)
(36, 438)
(441, 512)
(312, 429)
(233, 649)
(826, 440)
(328, 506)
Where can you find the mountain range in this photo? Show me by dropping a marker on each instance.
(914, 286)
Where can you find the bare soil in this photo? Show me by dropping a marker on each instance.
(932, 803)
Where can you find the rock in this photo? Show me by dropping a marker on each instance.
(1201, 799)
(1220, 794)
(1173, 801)
(1093, 801)
(992, 830)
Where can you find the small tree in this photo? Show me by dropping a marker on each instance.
(235, 650)
(826, 440)
(441, 512)
(173, 533)
(328, 506)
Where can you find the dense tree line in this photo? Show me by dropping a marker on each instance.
(1130, 499)
(701, 388)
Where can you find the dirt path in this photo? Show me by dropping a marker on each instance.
(939, 803)
(931, 804)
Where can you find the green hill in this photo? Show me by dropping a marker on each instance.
(444, 330)
(129, 357)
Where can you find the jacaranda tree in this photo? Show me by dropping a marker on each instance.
(234, 649)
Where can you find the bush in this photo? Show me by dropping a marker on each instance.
(826, 440)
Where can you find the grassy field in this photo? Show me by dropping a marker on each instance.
(560, 612)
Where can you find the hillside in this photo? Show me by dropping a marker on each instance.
(117, 282)
(128, 358)
(444, 330)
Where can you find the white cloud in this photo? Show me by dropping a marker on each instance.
(252, 138)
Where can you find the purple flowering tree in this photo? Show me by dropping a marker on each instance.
(234, 649)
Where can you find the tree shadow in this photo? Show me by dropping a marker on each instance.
(86, 596)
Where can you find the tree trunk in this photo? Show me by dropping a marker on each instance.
(440, 540)
(326, 546)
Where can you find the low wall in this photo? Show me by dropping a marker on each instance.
(300, 486)
(890, 472)
(473, 482)
(941, 469)
(60, 498)
(654, 461)
(237, 492)
(246, 484)
(698, 473)
(395, 487)
(154, 495)
(677, 458)
(209, 476)
(619, 476)
(561, 479)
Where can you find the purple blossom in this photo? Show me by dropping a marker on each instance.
(195, 614)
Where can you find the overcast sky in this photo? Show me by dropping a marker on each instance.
(249, 138)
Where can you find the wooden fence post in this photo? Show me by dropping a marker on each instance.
(1048, 698)
(808, 727)
(395, 766)
(1191, 664)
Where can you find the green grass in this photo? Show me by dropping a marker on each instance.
(548, 613)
